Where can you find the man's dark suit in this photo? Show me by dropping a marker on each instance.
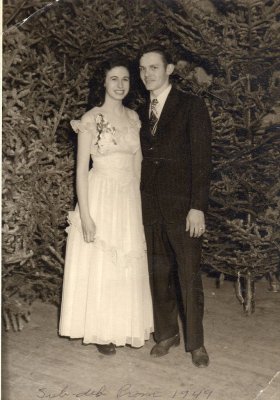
(175, 178)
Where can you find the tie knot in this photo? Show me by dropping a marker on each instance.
(154, 102)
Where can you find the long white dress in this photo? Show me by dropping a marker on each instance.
(106, 293)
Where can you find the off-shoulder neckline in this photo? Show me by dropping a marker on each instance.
(128, 112)
(97, 110)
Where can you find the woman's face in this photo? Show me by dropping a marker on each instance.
(117, 83)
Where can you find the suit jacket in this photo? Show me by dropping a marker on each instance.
(176, 164)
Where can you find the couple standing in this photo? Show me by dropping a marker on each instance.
(107, 288)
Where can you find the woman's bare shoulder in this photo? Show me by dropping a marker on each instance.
(90, 115)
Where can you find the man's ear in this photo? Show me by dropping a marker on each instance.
(170, 68)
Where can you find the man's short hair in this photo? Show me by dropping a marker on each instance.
(155, 48)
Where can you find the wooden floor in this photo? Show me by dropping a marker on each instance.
(244, 352)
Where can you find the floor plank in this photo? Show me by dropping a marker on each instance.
(244, 352)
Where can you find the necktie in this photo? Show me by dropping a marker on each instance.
(153, 117)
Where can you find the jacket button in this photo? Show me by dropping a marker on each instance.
(150, 148)
(156, 162)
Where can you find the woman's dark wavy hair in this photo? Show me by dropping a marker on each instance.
(97, 90)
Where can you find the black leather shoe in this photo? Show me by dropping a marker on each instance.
(162, 348)
(200, 357)
(106, 349)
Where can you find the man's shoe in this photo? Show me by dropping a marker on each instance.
(106, 349)
(162, 348)
(200, 357)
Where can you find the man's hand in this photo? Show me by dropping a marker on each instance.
(195, 223)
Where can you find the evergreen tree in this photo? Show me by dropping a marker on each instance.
(226, 52)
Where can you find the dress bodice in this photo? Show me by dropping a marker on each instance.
(113, 142)
(110, 135)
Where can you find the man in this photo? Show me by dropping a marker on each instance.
(176, 166)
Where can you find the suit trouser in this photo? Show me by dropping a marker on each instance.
(172, 252)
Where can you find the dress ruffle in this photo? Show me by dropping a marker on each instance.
(116, 255)
(82, 126)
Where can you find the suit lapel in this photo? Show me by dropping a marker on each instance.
(169, 109)
(146, 114)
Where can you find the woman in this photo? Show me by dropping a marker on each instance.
(106, 295)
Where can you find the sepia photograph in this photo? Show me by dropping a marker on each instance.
(140, 199)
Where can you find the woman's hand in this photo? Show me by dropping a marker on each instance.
(89, 229)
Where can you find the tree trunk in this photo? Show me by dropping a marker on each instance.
(245, 291)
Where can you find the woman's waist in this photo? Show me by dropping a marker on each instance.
(118, 160)
(119, 174)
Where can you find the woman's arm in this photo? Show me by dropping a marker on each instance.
(83, 157)
(138, 157)
(137, 163)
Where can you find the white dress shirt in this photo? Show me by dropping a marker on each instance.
(161, 98)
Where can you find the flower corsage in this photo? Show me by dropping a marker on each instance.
(106, 134)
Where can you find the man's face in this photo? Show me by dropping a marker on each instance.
(154, 72)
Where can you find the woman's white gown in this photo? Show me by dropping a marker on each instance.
(106, 293)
